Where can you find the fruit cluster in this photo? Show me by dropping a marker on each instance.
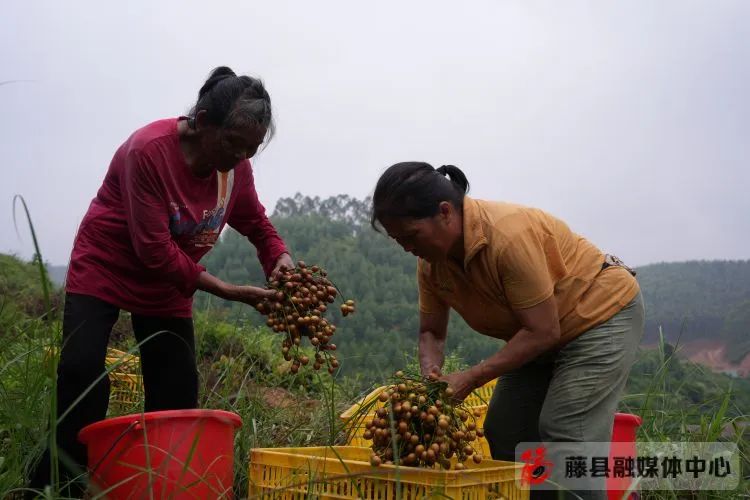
(420, 425)
(303, 295)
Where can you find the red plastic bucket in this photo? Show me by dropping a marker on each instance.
(623, 445)
(165, 454)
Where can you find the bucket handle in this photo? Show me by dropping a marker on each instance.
(135, 424)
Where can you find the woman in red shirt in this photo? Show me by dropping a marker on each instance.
(170, 189)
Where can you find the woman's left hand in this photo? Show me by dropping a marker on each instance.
(462, 383)
(284, 260)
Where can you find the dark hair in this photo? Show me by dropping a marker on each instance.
(416, 189)
(235, 101)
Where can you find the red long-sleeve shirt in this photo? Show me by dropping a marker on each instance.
(152, 220)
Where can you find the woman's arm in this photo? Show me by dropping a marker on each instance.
(540, 331)
(239, 293)
(248, 217)
(433, 329)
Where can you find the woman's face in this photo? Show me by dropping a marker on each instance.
(430, 238)
(223, 148)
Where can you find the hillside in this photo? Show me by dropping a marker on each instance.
(699, 300)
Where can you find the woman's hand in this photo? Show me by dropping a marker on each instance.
(462, 383)
(284, 260)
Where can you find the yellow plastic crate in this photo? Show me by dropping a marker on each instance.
(344, 472)
(128, 363)
(125, 389)
(125, 381)
(479, 399)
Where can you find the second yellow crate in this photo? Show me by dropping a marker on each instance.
(478, 400)
(344, 472)
(125, 381)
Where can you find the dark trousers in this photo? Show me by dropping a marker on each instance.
(170, 377)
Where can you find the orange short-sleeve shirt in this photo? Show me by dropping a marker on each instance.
(515, 258)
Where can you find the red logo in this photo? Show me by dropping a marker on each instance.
(536, 469)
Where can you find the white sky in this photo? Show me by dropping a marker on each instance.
(629, 120)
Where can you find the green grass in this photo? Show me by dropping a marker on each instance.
(668, 416)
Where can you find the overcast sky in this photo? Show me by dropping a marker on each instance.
(629, 120)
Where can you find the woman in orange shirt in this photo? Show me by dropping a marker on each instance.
(572, 316)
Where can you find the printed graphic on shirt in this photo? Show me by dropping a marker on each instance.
(205, 232)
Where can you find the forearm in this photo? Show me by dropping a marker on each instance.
(213, 285)
(431, 352)
(523, 347)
